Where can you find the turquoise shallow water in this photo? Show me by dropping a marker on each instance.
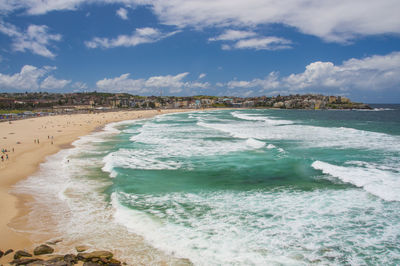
(246, 187)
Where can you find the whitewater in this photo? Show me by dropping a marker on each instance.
(230, 187)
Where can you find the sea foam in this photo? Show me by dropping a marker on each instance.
(381, 183)
(308, 135)
(262, 228)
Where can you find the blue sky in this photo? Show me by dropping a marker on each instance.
(191, 47)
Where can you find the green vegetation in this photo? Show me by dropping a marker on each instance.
(12, 111)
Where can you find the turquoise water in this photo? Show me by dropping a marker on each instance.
(243, 187)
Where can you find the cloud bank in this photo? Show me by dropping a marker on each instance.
(170, 83)
(374, 73)
(333, 21)
(31, 78)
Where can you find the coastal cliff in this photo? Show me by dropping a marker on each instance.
(311, 101)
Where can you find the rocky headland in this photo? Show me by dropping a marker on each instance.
(311, 101)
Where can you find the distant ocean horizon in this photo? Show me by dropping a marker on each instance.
(230, 187)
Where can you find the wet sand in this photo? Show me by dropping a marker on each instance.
(33, 140)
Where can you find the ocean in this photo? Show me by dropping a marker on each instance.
(229, 187)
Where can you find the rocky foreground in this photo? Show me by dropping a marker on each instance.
(43, 256)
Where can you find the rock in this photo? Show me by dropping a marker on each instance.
(95, 254)
(37, 263)
(279, 105)
(61, 263)
(43, 249)
(180, 262)
(70, 258)
(81, 248)
(8, 252)
(1, 253)
(56, 258)
(110, 262)
(113, 262)
(47, 263)
(21, 253)
(89, 263)
(24, 261)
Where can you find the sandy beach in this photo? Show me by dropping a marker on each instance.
(28, 142)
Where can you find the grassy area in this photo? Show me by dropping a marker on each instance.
(12, 111)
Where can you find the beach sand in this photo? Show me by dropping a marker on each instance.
(54, 133)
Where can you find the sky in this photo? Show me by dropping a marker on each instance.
(203, 47)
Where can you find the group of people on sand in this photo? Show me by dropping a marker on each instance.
(37, 141)
(4, 154)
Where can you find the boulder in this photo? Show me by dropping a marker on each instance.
(21, 253)
(24, 261)
(81, 248)
(89, 263)
(37, 263)
(47, 263)
(43, 249)
(95, 254)
(279, 105)
(56, 258)
(110, 262)
(70, 258)
(113, 262)
(8, 252)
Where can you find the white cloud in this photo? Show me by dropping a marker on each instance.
(335, 21)
(166, 81)
(122, 13)
(174, 84)
(29, 78)
(139, 36)
(239, 39)
(44, 6)
(35, 39)
(202, 75)
(378, 72)
(261, 43)
(233, 35)
(32, 78)
(121, 84)
(51, 83)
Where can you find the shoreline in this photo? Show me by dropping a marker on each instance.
(54, 134)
